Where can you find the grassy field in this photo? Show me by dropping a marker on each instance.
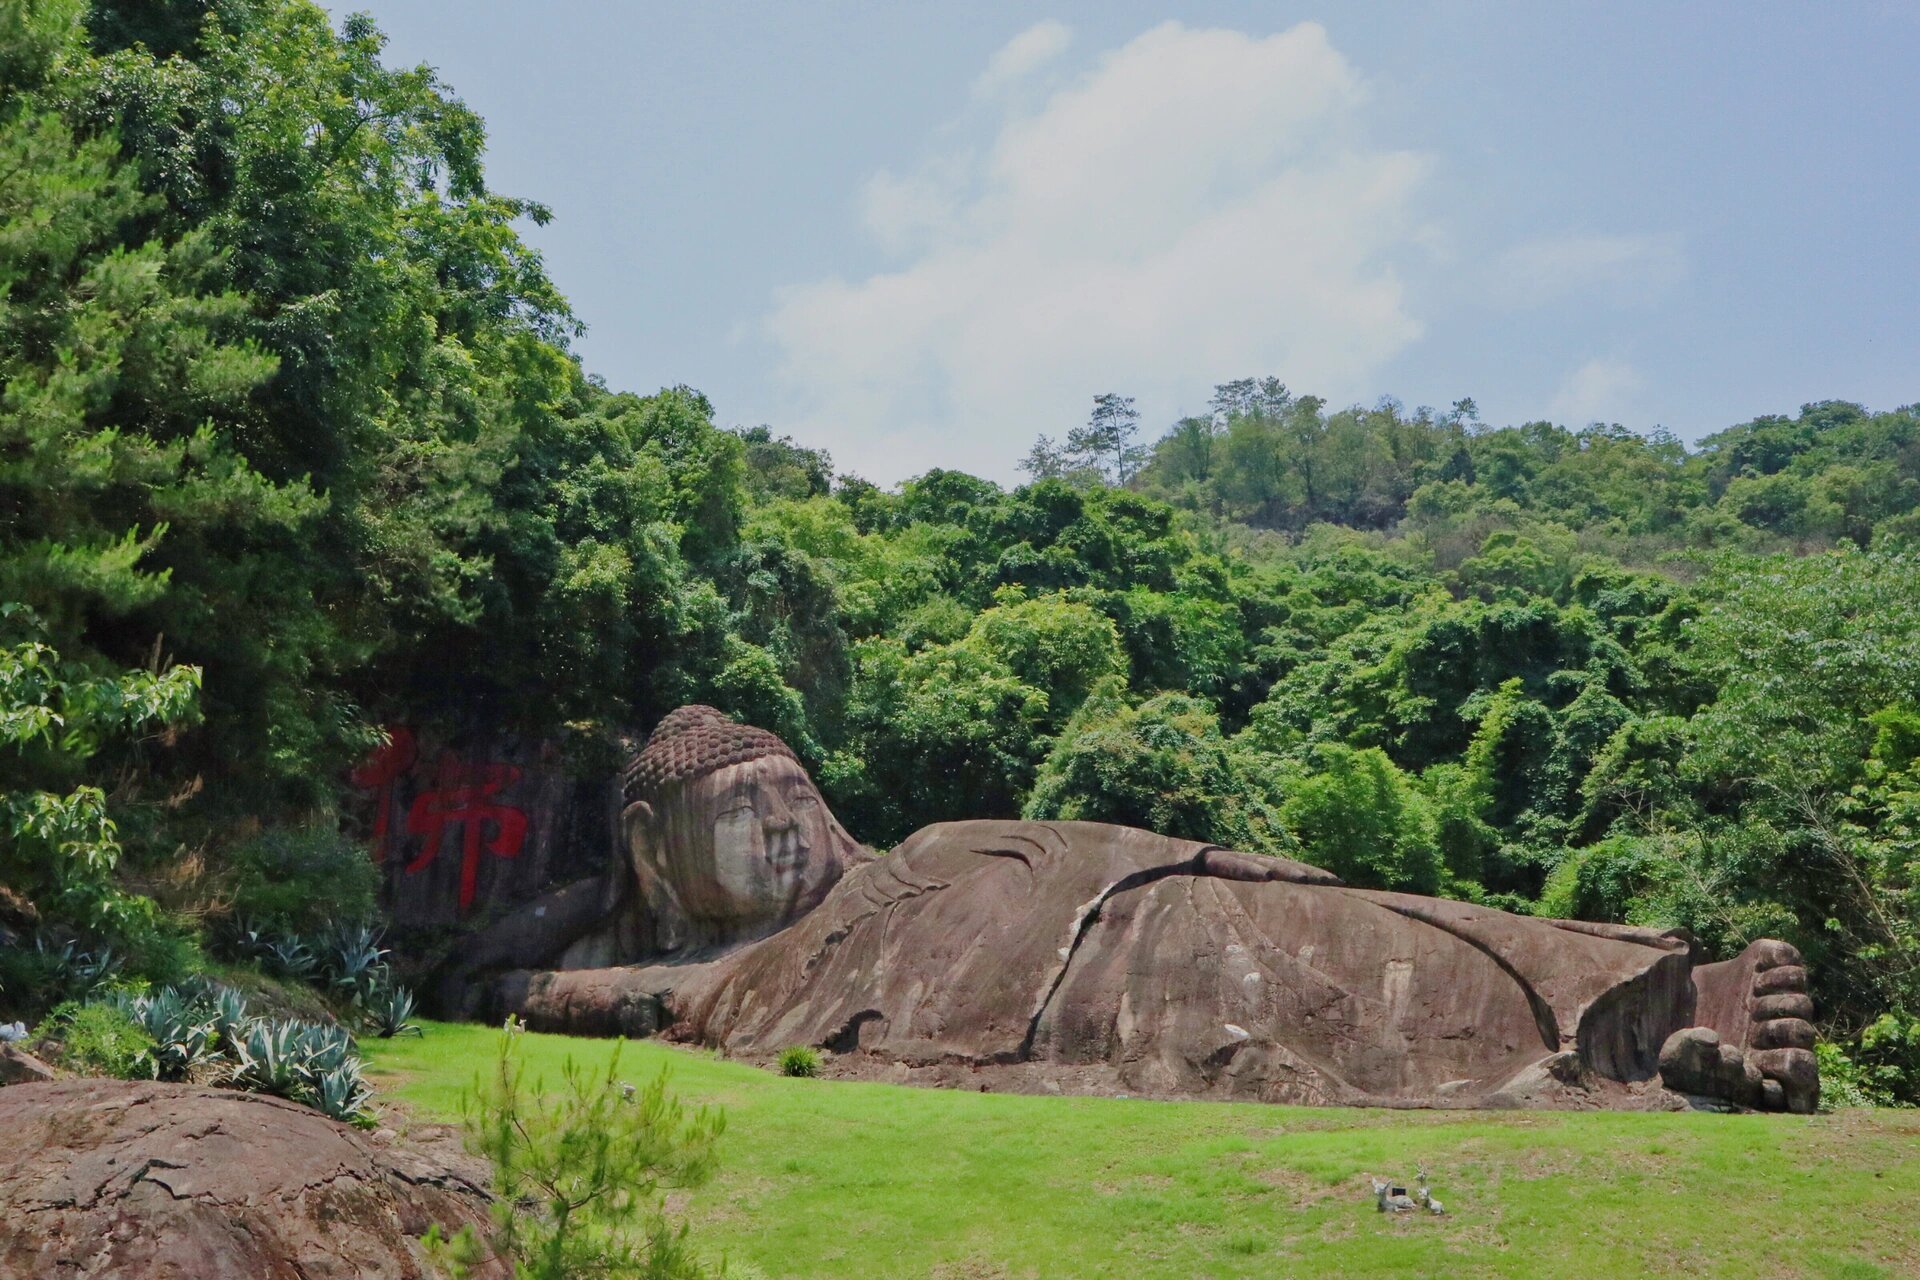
(824, 1178)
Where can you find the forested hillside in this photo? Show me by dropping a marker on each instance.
(293, 441)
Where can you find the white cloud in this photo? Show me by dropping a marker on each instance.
(1023, 55)
(1601, 390)
(1193, 208)
(1621, 269)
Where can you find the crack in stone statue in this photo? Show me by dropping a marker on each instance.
(1031, 955)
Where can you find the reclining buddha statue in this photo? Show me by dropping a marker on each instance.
(1083, 957)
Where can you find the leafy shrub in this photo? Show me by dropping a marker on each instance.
(99, 1039)
(799, 1061)
(1881, 1067)
(1842, 1082)
(1358, 816)
(59, 845)
(577, 1171)
(294, 881)
(1162, 765)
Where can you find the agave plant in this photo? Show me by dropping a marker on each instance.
(292, 957)
(229, 1009)
(92, 968)
(183, 1037)
(341, 1092)
(269, 1057)
(354, 962)
(388, 1012)
(323, 1048)
(304, 1061)
(250, 940)
(70, 967)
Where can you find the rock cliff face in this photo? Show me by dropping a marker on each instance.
(110, 1180)
(469, 826)
(493, 847)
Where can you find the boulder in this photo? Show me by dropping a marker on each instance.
(117, 1180)
(17, 1066)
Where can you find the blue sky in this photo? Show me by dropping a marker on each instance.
(920, 234)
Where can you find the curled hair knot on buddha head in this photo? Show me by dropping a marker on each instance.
(692, 742)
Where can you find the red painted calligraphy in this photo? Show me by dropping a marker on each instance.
(463, 794)
(378, 774)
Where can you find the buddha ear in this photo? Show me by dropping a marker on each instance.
(636, 824)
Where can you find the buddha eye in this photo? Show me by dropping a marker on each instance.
(803, 799)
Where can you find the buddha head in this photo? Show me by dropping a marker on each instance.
(725, 830)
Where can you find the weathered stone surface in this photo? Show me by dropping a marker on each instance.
(1723, 998)
(22, 1067)
(1796, 1004)
(1758, 1001)
(1098, 958)
(17, 1066)
(110, 1180)
(1695, 1062)
(587, 1002)
(1780, 980)
(543, 927)
(1771, 953)
(468, 824)
(1784, 1033)
(1797, 1073)
(1175, 968)
(726, 840)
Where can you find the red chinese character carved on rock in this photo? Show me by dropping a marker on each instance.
(463, 793)
(378, 774)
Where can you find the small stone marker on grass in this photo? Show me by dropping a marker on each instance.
(1389, 1198)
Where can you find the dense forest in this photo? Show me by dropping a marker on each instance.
(292, 439)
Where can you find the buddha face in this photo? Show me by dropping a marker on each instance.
(744, 844)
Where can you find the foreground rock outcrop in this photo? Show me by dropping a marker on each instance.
(107, 1179)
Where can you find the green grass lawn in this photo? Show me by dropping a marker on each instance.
(826, 1178)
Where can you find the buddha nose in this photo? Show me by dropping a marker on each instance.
(779, 817)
